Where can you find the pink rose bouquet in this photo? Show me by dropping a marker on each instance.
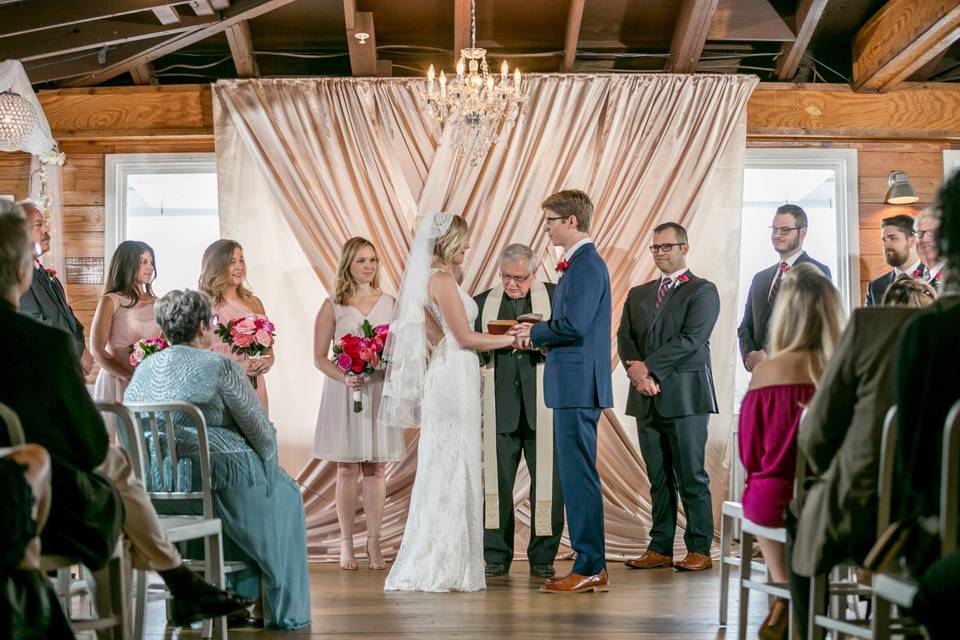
(251, 336)
(361, 355)
(140, 349)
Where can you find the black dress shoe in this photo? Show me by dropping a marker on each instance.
(211, 604)
(542, 570)
(495, 569)
(244, 622)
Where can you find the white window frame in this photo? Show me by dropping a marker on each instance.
(119, 166)
(844, 163)
(951, 163)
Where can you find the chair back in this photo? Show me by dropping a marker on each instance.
(14, 428)
(950, 476)
(802, 469)
(888, 446)
(148, 433)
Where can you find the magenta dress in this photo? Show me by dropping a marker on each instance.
(769, 417)
(129, 326)
(227, 311)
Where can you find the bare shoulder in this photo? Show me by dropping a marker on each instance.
(788, 368)
(257, 305)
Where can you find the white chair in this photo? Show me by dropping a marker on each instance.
(731, 516)
(142, 435)
(895, 588)
(118, 620)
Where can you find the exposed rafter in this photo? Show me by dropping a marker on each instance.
(574, 19)
(809, 13)
(142, 74)
(748, 21)
(59, 13)
(461, 26)
(167, 15)
(241, 49)
(690, 35)
(202, 7)
(363, 55)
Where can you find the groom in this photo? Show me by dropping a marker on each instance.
(577, 380)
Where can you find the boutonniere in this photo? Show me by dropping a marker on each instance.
(918, 273)
(51, 272)
(682, 279)
(785, 268)
(562, 266)
(938, 277)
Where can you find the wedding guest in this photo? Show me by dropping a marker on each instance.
(787, 233)
(124, 316)
(807, 320)
(223, 277)
(46, 299)
(899, 251)
(355, 441)
(664, 344)
(925, 227)
(257, 502)
(840, 440)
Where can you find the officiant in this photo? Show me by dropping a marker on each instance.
(516, 423)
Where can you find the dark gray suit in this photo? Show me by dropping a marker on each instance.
(756, 316)
(878, 286)
(516, 397)
(46, 301)
(674, 342)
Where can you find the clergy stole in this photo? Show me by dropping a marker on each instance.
(544, 427)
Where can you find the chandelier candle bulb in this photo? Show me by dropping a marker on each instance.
(504, 72)
(460, 71)
(430, 76)
(516, 80)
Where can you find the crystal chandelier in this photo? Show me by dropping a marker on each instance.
(475, 102)
(17, 121)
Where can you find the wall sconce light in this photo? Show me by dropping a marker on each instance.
(900, 191)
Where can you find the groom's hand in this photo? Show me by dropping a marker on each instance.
(521, 330)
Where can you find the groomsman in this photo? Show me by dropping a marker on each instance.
(46, 301)
(926, 226)
(900, 252)
(787, 233)
(517, 422)
(664, 344)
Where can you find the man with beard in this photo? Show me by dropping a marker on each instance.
(900, 252)
(926, 226)
(787, 234)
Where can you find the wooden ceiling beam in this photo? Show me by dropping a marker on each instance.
(220, 5)
(363, 56)
(461, 26)
(77, 65)
(142, 74)
(238, 12)
(900, 39)
(202, 7)
(167, 15)
(748, 21)
(690, 35)
(809, 13)
(25, 18)
(574, 20)
(241, 49)
(91, 35)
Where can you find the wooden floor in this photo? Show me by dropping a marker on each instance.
(660, 603)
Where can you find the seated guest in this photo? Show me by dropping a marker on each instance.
(840, 441)
(259, 504)
(807, 320)
(96, 491)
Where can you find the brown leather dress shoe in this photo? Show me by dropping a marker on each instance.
(650, 560)
(694, 562)
(575, 583)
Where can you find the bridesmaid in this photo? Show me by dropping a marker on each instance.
(223, 277)
(124, 315)
(354, 440)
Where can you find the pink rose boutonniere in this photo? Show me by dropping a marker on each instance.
(51, 272)
(562, 266)
(682, 279)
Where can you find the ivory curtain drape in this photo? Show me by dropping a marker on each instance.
(306, 163)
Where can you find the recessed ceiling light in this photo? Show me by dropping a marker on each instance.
(362, 36)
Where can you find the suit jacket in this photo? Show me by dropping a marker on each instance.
(516, 371)
(878, 286)
(840, 438)
(46, 301)
(756, 316)
(577, 373)
(674, 342)
(928, 368)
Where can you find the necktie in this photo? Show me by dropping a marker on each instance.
(776, 283)
(662, 291)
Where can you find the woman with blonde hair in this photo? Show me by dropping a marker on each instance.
(355, 441)
(807, 321)
(223, 277)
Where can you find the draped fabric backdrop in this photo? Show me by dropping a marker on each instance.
(305, 164)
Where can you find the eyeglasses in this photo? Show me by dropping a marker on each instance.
(784, 231)
(666, 248)
(550, 220)
(214, 320)
(514, 279)
(932, 233)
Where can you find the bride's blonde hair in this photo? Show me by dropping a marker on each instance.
(452, 241)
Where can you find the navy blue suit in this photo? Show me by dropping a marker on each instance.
(577, 385)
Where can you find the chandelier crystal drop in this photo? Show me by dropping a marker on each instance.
(474, 102)
(18, 119)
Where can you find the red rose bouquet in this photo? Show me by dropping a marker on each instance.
(140, 349)
(251, 336)
(361, 355)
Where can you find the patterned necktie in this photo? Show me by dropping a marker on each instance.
(662, 291)
(776, 283)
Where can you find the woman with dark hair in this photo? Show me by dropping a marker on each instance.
(223, 277)
(124, 316)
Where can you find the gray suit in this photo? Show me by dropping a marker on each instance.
(46, 301)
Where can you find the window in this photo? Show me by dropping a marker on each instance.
(169, 201)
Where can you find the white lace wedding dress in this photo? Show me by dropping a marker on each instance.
(442, 547)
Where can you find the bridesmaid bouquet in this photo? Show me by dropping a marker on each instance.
(140, 349)
(361, 354)
(250, 336)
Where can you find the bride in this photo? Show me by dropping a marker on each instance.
(442, 548)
